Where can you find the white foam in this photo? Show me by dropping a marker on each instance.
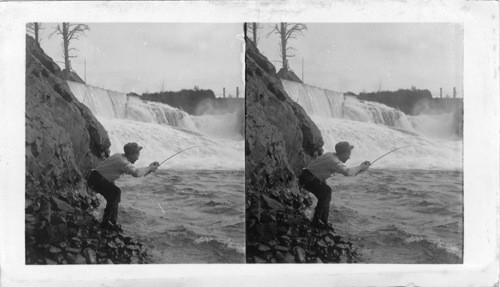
(332, 104)
(163, 131)
(372, 140)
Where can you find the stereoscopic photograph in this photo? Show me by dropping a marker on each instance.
(244, 143)
(134, 143)
(354, 143)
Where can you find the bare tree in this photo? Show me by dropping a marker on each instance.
(287, 31)
(35, 29)
(69, 32)
(252, 29)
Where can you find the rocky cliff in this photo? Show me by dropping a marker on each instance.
(71, 76)
(288, 75)
(280, 140)
(64, 142)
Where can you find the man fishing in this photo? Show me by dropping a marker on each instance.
(314, 176)
(102, 180)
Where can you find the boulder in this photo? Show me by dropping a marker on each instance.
(273, 204)
(61, 205)
(64, 141)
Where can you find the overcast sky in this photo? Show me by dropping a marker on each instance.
(357, 57)
(131, 57)
(363, 57)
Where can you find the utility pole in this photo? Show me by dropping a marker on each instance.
(302, 69)
(440, 93)
(224, 93)
(454, 92)
(237, 92)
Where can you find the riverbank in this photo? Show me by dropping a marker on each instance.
(64, 141)
(280, 140)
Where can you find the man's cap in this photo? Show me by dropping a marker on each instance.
(131, 148)
(343, 147)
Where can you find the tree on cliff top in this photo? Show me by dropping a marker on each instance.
(252, 29)
(287, 31)
(35, 28)
(69, 32)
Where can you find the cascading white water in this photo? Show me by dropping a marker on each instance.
(373, 140)
(375, 129)
(331, 104)
(163, 130)
(115, 105)
(437, 126)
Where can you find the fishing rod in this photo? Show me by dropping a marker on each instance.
(184, 151)
(386, 154)
(389, 153)
(181, 152)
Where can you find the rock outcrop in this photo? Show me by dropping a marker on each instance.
(280, 140)
(280, 136)
(64, 142)
(72, 76)
(288, 75)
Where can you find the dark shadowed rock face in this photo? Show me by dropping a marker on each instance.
(280, 140)
(280, 135)
(64, 141)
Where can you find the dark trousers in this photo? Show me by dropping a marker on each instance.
(322, 192)
(111, 193)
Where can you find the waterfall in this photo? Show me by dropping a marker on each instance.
(163, 130)
(375, 129)
(331, 104)
(115, 105)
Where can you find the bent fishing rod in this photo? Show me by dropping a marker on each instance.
(179, 153)
(387, 154)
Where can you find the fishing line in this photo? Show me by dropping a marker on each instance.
(385, 155)
(161, 208)
(181, 152)
(184, 151)
(389, 153)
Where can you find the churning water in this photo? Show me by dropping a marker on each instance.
(192, 209)
(408, 207)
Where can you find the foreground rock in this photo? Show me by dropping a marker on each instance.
(64, 142)
(280, 140)
(61, 229)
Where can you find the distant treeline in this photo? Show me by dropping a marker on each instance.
(413, 102)
(196, 102)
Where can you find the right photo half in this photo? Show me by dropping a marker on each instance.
(354, 143)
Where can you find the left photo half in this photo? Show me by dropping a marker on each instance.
(134, 143)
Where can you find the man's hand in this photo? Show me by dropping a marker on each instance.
(365, 165)
(154, 166)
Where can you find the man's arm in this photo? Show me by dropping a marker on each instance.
(142, 171)
(352, 171)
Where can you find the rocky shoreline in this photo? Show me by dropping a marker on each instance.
(280, 140)
(61, 229)
(63, 142)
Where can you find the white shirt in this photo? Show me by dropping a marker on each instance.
(327, 164)
(116, 166)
